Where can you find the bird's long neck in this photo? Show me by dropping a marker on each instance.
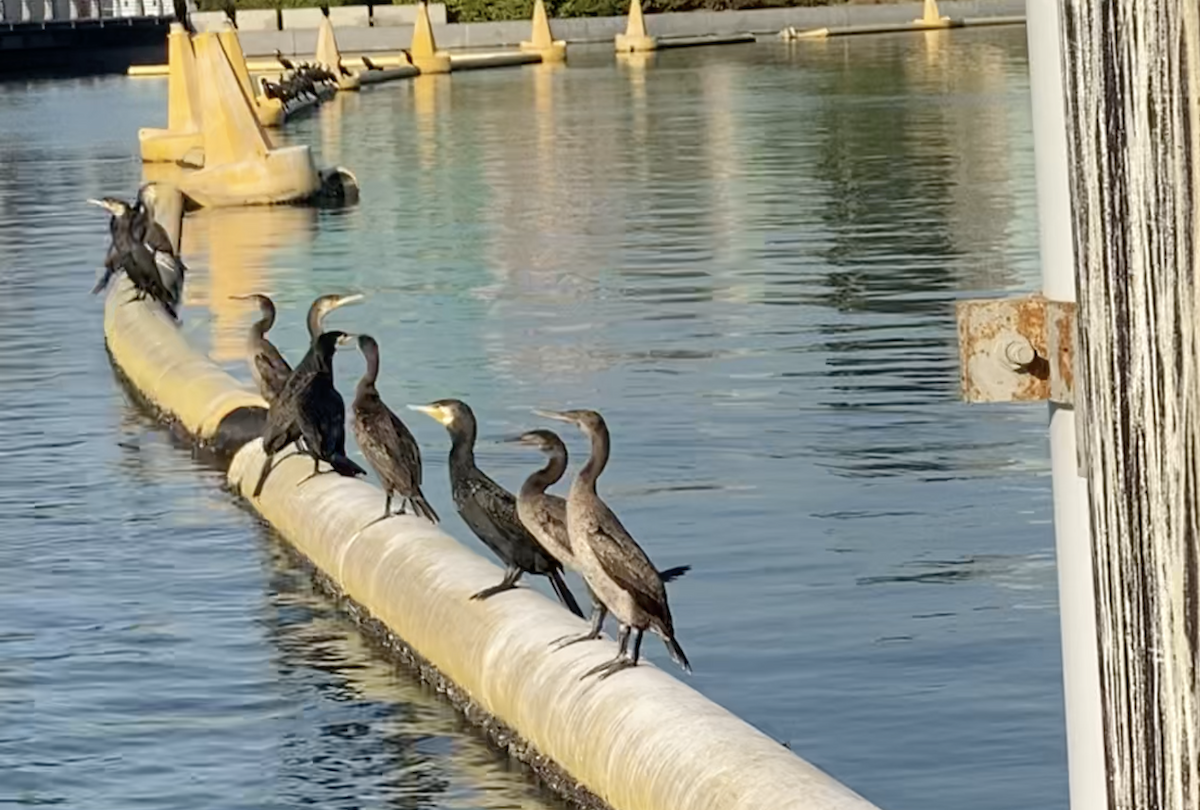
(366, 384)
(263, 325)
(462, 449)
(314, 324)
(596, 461)
(548, 476)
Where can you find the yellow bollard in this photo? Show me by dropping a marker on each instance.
(932, 18)
(330, 58)
(182, 140)
(241, 168)
(635, 39)
(269, 111)
(425, 55)
(542, 41)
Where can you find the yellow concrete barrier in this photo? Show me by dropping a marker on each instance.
(268, 111)
(425, 55)
(182, 140)
(241, 167)
(541, 40)
(931, 17)
(329, 57)
(635, 39)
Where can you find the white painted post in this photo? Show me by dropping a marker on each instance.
(1072, 526)
(1130, 71)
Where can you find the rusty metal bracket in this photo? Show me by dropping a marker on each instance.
(1017, 350)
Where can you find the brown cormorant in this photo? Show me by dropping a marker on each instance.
(489, 510)
(545, 516)
(283, 425)
(268, 367)
(386, 442)
(618, 572)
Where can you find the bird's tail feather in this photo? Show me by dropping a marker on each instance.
(346, 467)
(672, 574)
(262, 476)
(422, 507)
(677, 652)
(564, 593)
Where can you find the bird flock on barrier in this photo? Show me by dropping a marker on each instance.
(533, 532)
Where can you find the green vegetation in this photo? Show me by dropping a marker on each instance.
(487, 10)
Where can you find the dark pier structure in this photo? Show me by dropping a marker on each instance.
(81, 47)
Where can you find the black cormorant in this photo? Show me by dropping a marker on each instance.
(268, 367)
(618, 572)
(368, 64)
(171, 269)
(490, 510)
(545, 516)
(286, 63)
(129, 252)
(283, 426)
(313, 410)
(386, 442)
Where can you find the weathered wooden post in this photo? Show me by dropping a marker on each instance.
(1132, 80)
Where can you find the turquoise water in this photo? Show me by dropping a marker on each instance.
(745, 257)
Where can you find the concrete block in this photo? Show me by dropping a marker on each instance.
(407, 14)
(350, 16)
(296, 18)
(259, 19)
(208, 20)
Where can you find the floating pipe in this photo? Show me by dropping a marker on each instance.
(478, 61)
(641, 740)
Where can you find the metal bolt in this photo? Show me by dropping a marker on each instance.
(1019, 353)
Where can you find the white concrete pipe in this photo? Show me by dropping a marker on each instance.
(640, 740)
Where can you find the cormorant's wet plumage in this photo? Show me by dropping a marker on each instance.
(267, 365)
(386, 442)
(129, 252)
(171, 269)
(283, 419)
(545, 516)
(616, 568)
(489, 510)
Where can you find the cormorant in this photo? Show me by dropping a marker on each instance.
(268, 367)
(490, 510)
(545, 516)
(230, 12)
(313, 410)
(616, 568)
(182, 16)
(130, 253)
(283, 425)
(286, 63)
(368, 64)
(170, 268)
(386, 441)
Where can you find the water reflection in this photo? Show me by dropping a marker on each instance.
(238, 251)
(377, 737)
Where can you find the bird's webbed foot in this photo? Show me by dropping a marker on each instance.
(622, 661)
(566, 641)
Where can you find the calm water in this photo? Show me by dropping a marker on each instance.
(745, 257)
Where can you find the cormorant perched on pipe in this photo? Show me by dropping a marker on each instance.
(130, 253)
(386, 442)
(286, 63)
(614, 565)
(283, 425)
(171, 268)
(268, 366)
(545, 516)
(368, 64)
(489, 510)
(182, 16)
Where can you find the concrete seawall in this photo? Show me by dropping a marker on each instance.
(358, 39)
(642, 740)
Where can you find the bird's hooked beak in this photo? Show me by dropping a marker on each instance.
(442, 415)
(561, 416)
(339, 301)
(107, 205)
